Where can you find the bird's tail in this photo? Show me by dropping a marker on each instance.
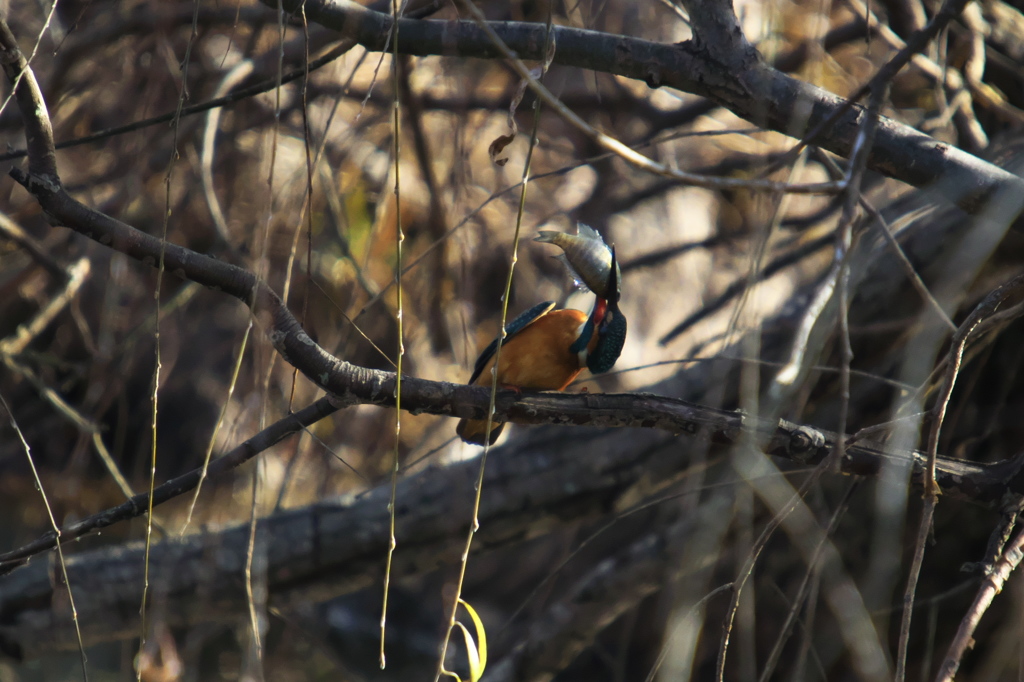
(472, 430)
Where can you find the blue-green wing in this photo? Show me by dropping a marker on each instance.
(511, 329)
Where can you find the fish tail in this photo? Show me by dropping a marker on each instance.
(549, 237)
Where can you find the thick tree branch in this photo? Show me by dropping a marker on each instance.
(986, 484)
(334, 548)
(42, 156)
(743, 83)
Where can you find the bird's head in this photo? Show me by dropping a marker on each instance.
(608, 324)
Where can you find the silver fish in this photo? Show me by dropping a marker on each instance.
(588, 258)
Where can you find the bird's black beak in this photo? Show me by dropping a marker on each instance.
(613, 283)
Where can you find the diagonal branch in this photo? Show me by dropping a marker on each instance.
(137, 505)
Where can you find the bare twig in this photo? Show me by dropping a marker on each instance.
(525, 184)
(51, 396)
(239, 95)
(161, 266)
(204, 469)
(887, 233)
(53, 524)
(233, 77)
(990, 587)
(747, 570)
(11, 230)
(812, 572)
(23, 336)
(396, 137)
(138, 504)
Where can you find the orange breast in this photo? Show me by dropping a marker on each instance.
(538, 357)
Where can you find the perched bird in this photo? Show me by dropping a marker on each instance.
(545, 349)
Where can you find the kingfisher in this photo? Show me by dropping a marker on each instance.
(545, 349)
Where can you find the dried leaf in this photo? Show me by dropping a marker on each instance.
(498, 146)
